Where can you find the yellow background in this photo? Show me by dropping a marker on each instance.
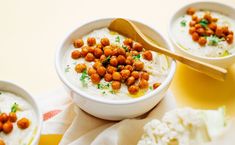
(31, 30)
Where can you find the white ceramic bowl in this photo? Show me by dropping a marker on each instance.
(208, 5)
(113, 109)
(16, 89)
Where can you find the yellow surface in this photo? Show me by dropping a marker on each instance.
(31, 30)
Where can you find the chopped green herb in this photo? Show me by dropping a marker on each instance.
(214, 40)
(67, 68)
(112, 91)
(136, 57)
(103, 86)
(151, 88)
(226, 53)
(125, 47)
(104, 92)
(15, 108)
(204, 23)
(84, 77)
(183, 23)
(117, 39)
(106, 61)
(118, 67)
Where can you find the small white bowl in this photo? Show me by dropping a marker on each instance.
(208, 5)
(16, 89)
(113, 109)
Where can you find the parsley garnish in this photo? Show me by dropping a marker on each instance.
(214, 40)
(183, 23)
(112, 91)
(84, 77)
(106, 61)
(136, 57)
(204, 23)
(117, 39)
(151, 88)
(104, 92)
(103, 86)
(125, 47)
(15, 107)
(67, 68)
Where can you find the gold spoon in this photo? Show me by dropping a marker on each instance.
(127, 28)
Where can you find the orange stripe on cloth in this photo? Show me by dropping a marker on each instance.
(50, 114)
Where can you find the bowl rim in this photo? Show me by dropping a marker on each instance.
(188, 4)
(113, 102)
(34, 105)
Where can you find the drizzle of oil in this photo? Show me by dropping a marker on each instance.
(113, 33)
(139, 94)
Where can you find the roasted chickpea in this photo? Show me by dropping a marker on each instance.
(125, 74)
(143, 84)
(91, 41)
(78, 43)
(91, 49)
(98, 52)
(147, 55)
(12, 117)
(201, 31)
(7, 127)
(97, 64)
(130, 81)
(102, 58)
(1, 125)
(101, 71)
(4, 117)
(89, 57)
(129, 67)
(144, 75)
(76, 54)
(192, 30)
(194, 17)
(121, 59)
(214, 19)
(117, 76)
(156, 85)
(208, 17)
(219, 31)
(133, 89)
(113, 61)
(134, 53)
(115, 52)
(135, 74)
(108, 77)
(108, 51)
(212, 26)
(91, 71)
(2, 142)
(138, 47)
(23, 123)
(129, 60)
(100, 46)
(191, 11)
(95, 78)
(111, 69)
(229, 39)
(202, 41)
(80, 67)
(121, 51)
(192, 23)
(120, 67)
(197, 26)
(84, 51)
(138, 65)
(128, 42)
(225, 30)
(209, 32)
(195, 36)
(116, 85)
(104, 41)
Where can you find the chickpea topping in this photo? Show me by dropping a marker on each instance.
(135, 74)
(133, 89)
(195, 36)
(194, 17)
(84, 51)
(116, 85)
(111, 69)
(192, 30)
(192, 23)
(80, 68)
(201, 31)
(91, 49)
(97, 64)
(7, 127)
(107, 51)
(148, 55)
(2, 142)
(108, 77)
(130, 81)
(91, 41)
(143, 84)
(12, 117)
(128, 42)
(121, 59)
(4, 117)
(156, 85)
(104, 41)
(95, 78)
(138, 65)
(76, 54)
(101, 71)
(91, 71)
(202, 41)
(100, 46)
(117, 76)
(129, 67)
(78, 43)
(23, 123)
(144, 75)
(191, 11)
(129, 60)
(212, 26)
(113, 61)
(121, 51)
(125, 74)
(98, 52)
(89, 57)
(138, 47)
(134, 53)
(1, 125)
(229, 39)
(102, 58)
(115, 52)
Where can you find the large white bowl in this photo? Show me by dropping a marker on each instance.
(16, 89)
(208, 5)
(113, 109)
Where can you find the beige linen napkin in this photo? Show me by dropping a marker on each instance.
(80, 128)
